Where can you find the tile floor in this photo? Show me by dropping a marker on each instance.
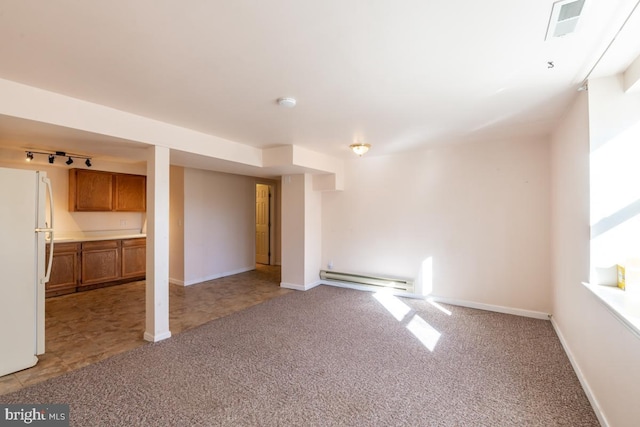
(86, 327)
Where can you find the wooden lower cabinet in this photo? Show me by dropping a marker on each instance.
(64, 270)
(134, 258)
(89, 265)
(100, 262)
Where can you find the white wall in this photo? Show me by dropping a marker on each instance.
(71, 222)
(176, 225)
(480, 211)
(604, 352)
(219, 225)
(278, 229)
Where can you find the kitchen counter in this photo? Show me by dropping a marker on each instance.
(88, 236)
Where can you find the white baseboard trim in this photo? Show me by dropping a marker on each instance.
(452, 301)
(581, 377)
(155, 338)
(491, 307)
(300, 287)
(218, 275)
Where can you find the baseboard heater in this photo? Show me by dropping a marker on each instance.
(400, 284)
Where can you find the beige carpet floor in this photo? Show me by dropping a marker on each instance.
(333, 356)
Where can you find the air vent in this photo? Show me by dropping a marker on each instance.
(564, 18)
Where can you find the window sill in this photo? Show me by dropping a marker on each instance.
(619, 304)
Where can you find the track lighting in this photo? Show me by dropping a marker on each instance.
(53, 154)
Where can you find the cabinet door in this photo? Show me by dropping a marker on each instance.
(64, 270)
(90, 190)
(134, 258)
(100, 262)
(130, 193)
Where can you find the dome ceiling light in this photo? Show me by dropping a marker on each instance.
(360, 148)
(287, 102)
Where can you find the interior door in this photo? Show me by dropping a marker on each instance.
(262, 223)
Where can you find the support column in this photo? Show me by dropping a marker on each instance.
(157, 288)
(301, 236)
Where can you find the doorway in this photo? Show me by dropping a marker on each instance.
(263, 224)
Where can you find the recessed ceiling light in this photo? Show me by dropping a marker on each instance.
(287, 102)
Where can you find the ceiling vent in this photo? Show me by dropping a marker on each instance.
(564, 18)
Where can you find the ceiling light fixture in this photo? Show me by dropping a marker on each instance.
(287, 102)
(53, 154)
(360, 148)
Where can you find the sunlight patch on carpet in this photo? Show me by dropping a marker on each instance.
(426, 333)
(420, 328)
(397, 308)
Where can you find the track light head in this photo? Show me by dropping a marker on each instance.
(52, 158)
(88, 163)
(69, 161)
(29, 156)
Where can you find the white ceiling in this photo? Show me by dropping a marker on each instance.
(399, 75)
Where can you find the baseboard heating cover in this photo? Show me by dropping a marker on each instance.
(402, 284)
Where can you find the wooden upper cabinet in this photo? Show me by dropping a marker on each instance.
(130, 193)
(90, 190)
(98, 191)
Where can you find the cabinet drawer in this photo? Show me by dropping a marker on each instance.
(100, 244)
(134, 242)
(64, 247)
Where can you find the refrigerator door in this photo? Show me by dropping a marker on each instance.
(19, 266)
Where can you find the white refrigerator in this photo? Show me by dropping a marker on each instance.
(26, 222)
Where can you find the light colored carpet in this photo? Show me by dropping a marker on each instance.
(333, 356)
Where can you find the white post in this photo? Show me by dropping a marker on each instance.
(157, 289)
(301, 236)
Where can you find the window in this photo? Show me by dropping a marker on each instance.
(615, 224)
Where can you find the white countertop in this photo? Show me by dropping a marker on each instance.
(87, 236)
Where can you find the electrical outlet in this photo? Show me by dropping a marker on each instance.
(330, 265)
(123, 223)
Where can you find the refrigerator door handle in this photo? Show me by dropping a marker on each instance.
(47, 275)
